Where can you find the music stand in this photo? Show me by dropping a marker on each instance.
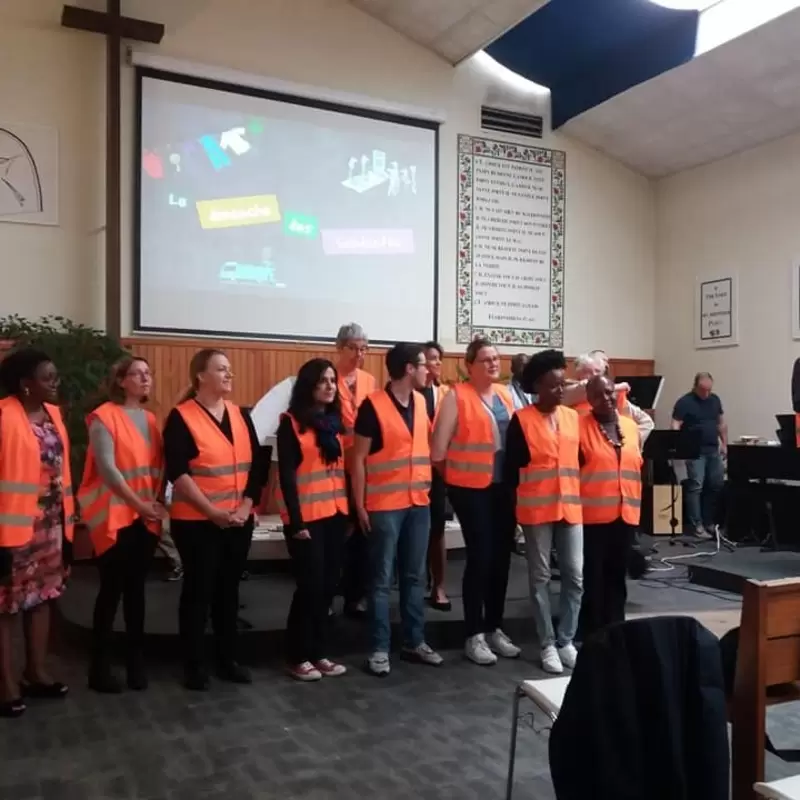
(669, 446)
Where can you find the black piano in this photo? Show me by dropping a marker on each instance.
(762, 497)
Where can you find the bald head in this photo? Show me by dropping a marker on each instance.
(600, 396)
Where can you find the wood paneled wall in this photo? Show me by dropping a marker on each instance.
(260, 365)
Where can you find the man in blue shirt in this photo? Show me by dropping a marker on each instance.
(701, 410)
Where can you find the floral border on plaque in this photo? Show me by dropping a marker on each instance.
(468, 148)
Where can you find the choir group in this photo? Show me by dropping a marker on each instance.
(365, 475)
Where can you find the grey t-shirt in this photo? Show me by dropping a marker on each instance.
(102, 444)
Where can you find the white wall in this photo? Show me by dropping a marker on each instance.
(741, 213)
(610, 266)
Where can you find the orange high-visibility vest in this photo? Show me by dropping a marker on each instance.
(221, 468)
(583, 408)
(469, 462)
(611, 485)
(142, 466)
(549, 486)
(365, 386)
(320, 487)
(441, 392)
(20, 474)
(399, 474)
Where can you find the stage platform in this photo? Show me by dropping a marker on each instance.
(728, 571)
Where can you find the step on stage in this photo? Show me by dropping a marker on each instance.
(728, 571)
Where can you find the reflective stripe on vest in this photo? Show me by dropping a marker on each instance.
(141, 465)
(549, 486)
(399, 474)
(611, 483)
(321, 488)
(221, 468)
(20, 474)
(469, 461)
(350, 401)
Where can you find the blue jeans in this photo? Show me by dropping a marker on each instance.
(568, 540)
(705, 479)
(404, 534)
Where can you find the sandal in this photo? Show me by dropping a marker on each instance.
(44, 691)
(13, 708)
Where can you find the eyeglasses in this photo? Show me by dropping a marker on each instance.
(360, 349)
(489, 360)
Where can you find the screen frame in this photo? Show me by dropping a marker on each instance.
(281, 97)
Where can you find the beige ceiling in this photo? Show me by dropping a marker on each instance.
(454, 29)
(739, 95)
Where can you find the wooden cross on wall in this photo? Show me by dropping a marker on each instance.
(111, 24)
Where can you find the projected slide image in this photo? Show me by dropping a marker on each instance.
(292, 205)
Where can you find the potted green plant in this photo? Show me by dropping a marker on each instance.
(83, 356)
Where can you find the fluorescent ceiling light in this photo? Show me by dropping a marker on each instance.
(685, 5)
(730, 19)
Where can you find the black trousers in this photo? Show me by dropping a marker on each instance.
(123, 570)
(316, 563)
(605, 567)
(487, 524)
(438, 495)
(355, 564)
(213, 561)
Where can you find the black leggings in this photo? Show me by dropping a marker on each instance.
(213, 561)
(123, 570)
(487, 521)
(316, 563)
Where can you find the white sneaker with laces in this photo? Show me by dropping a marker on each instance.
(378, 664)
(477, 651)
(568, 654)
(502, 645)
(424, 654)
(551, 661)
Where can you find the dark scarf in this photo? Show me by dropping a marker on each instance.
(327, 428)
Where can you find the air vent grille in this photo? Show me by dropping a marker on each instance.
(499, 119)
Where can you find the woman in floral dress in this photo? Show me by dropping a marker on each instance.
(36, 521)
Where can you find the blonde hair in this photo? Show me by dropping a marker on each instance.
(197, 365)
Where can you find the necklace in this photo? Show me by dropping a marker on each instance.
(620, 439)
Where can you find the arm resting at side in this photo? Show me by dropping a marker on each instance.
(444, 429)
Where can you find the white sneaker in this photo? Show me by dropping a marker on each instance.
(378, 664)
(478, 651)
(424, 654)
(502, 645)
(568, 654)
(551, 661)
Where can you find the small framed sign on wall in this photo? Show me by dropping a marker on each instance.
(716, 311)
(796, 299)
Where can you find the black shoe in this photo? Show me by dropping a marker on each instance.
(13, 708)
(233, 672)
(175, 574)
(103, 680)
(137, 674)
(195, 679)
(44, 691)
(437, 606)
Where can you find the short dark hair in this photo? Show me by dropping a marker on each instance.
(400, 356)
(539, 365)
(18, 366)
(474, 347)
(431, 345)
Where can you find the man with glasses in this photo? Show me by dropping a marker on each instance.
(391, 475)
(355, 384)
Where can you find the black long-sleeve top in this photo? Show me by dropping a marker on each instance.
(517, 454)
(796, 386)
(180, 448)
(290, 456)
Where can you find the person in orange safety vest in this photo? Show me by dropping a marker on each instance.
(217, 469)
(391, 473)
(542, 463)
(611, 497)
(37, 516)
(119, 495)
(355, 384)
(468, 445)
(312, 499)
